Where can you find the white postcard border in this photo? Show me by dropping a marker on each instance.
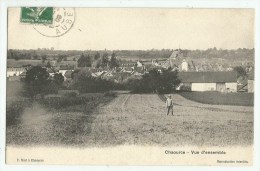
(142, 3)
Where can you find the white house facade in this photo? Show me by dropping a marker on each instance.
(203, 86)
(231, 87)
(250, 86)
(14, 71)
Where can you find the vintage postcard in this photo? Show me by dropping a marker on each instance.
(130, 86)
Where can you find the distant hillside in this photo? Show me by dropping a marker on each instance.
(238, 54)
(224, 54)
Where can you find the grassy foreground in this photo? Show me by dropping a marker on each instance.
(59, 121)
(217, 98)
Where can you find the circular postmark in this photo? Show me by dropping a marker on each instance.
(63, 20)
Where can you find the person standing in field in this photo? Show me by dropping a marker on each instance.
(169, 104)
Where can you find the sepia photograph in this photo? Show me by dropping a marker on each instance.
(130, 86)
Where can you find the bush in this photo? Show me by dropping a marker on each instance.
(38, 82)
(51, 88)
(185, 88)
(88, 84)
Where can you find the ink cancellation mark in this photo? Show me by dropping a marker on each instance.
(63, 20)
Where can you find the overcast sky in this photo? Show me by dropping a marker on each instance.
(142, 28)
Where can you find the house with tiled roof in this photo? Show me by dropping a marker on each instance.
(209, 81)
(94, 75)
(116, 69)
(175, 61)
(135, 73)
(158, 68)
(50, 71)
(127, 64)
(64, 68)
(127, 69)
(106, 75)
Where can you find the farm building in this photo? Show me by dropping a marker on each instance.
(251, 81)
(14, 71)
(208, 81)
(128, 69)
(127, 64)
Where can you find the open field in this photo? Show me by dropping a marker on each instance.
(141, 119)
(136, 119)
(218, 98)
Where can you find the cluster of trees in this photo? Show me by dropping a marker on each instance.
(60, 58)
(84, 61)
(241, 71)
(98, 61)
(113, 61)
(38, 82)
(165, 81)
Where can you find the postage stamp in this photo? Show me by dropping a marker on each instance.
(63, 20)
(37, 15)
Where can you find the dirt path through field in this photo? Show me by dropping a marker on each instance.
(141, 119)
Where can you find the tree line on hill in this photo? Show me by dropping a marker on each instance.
(240, 53)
